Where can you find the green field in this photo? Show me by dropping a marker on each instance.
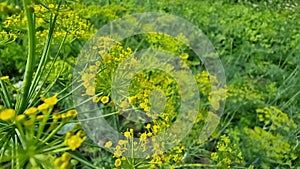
(140, 84)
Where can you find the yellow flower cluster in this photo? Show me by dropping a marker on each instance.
(4, 78)
(276, 119)
(74, 140)
(227, 154)
(6, 38)
(63, 162)
(103, 99)
(7, 114)
(174, 156)
(276, 146)
(39, 113)
(65, 116)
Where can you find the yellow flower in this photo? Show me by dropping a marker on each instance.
(155, 128)
(74, 142)
(143, 105)
(20, 117)
(184, 56)
(30, 111)
(124, 104)
(40, 117)
(37, 8)
(90, 90)
(122, 142)
(148, 126)
(117, 153)
(65, 156)
(105, 99)
(127, 134)
(81, 134)
(96, 99)
(86, 84)
(98, 63)
(72, 113)
(56, 116)
(51, 101)
(93, 68)
(65, 165)
(118, 163)
(86, 77)
(51, 6)
(108, 144)
(143, 136)
(7, 114)
(64, 116)
(40, 20)
(43, 106)
(4, 78)
(58, 162)
(132, 99)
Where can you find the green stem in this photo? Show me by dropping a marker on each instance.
(43, 123)
(30, 58)
(52, 148)
(53, 132)
(82, 161)
(5, 94)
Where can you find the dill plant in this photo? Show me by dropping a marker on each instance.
(30, 117)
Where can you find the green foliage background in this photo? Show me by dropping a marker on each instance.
(259, 45)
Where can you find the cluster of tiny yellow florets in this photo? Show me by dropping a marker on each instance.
(97, 77)
(140, 98)
(274, 119)
(63, 162)
(227, 154)
(129, 146)
(7, 114)
(74, 140)
(68, 20)
(6, 37)
(42, 112)
(33, 129)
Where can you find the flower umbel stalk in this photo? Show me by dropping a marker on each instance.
(30, 58)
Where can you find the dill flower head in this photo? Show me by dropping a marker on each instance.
(63, 162)
(20, 117)
(74, 142)
(90, 90)
(56, 116)
(108, 144)
(118, 163)
(4, 78)
(43, 106)
(40, 117)
(72, 113)
(51, 101)
(30, 111)
(51, 6)
(66, 156)
(143, 136)
(127, 134)
(7, 114)
(105, 99)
